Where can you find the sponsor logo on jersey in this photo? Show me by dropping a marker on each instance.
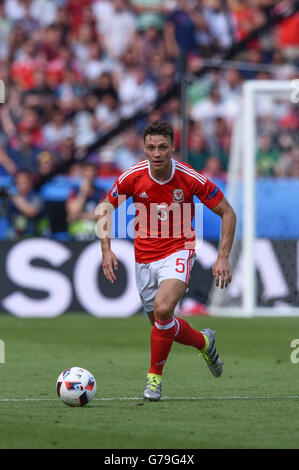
(114, 190)
(143, 195)
(213, 193)
(178, 195)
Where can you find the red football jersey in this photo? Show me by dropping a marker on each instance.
(164, 210)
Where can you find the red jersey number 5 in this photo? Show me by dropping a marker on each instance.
(180, 265)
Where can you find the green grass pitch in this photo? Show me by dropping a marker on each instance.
(253, 405)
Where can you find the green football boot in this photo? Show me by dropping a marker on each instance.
(210, 354)
(153, 387)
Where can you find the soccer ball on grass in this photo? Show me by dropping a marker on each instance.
(76, 386)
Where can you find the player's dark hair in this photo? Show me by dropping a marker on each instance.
(159, 128)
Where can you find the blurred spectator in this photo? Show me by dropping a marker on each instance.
(287, 37)
(41, 95)
(148, 40)
(7, 166)
(15, 9)
(73, 70)
(107, 114)
(218, 22)
(135, 92)
(198, 151)
(156, 7)
(69, 91)
(107, 164)
(23, 153)
(45, 11)
(130, 149)
(6, 25)
(24, 208)
(51, 41)
(27, 23)
(81, 204)
(167, 77)
(221, 141)
(267, 156)
(247, 15)
(105, 85)
(45, 163)
(11, 113)
(84, 121)
(288, 164)
(284, 69)
(97, 63)
(180, 30)
(79, 12)
(115, 25)
(80, 46)
(294, 170)
(31, 124)
(230, 89)
(209, 108)
(56, 131)
(172, 114)
(24, 64)
(213, 168)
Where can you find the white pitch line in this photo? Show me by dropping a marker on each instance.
(286, 397)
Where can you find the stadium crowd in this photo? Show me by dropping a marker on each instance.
(75, 69)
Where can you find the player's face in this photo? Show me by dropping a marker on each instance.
(158, 150)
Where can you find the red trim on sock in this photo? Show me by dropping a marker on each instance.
(188, 335)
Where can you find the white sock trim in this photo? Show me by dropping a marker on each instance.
(177, 326)
(165, 327)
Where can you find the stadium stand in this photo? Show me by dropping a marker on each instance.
(82, 78)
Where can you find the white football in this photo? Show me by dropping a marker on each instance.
(76, 386)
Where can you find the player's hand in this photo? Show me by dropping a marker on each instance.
(221, 270)
(109, 264)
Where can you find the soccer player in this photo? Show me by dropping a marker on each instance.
(164, 245)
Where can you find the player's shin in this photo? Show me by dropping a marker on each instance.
(162, 337)
(187, 335)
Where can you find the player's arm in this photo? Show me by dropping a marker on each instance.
(104, 212)
(222, 266)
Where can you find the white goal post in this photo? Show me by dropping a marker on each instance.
(241, 192)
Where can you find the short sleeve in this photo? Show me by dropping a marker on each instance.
(208, 193)
(120, 190)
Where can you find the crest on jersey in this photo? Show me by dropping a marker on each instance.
(114, 190)
(178, 195)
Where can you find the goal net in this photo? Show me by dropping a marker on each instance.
(263, 188)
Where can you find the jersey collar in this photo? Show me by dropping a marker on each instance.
(171, 176)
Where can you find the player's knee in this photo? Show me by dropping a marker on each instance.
(162, 311)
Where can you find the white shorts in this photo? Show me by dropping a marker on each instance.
(178, 265)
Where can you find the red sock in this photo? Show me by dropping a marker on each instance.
(185, 334)
(162, 337)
